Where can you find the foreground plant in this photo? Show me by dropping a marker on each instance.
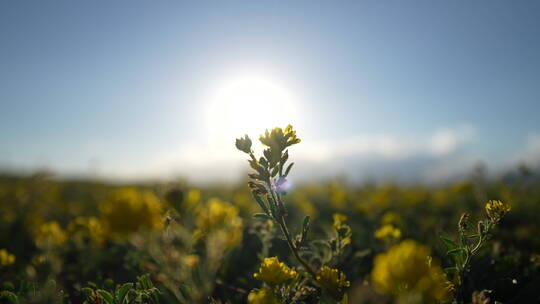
(143, 291)
(268, 185)
(468, 245)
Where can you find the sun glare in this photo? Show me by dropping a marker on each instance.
(249, 105)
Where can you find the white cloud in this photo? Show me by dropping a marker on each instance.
(530, 153)
(390, 146)
(201, 162)
(446, 141)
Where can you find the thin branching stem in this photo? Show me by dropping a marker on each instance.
(280, 219)
(294, 249)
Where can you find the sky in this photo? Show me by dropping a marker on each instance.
(148, 89)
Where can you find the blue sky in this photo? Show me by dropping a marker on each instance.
(121, 88)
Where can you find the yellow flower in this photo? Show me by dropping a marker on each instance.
(339, 220)
(277, 140)
(273, 272)
(333, 281)
(497, 209)
(129, 210)
(388, 232)
(407, 271)
(191, 260)
(262, 296)
(217, 216)
(50, 234)
(193, 198)
(6, 258)
(392, 218)
(90, 227)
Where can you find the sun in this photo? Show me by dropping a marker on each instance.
(249, 105)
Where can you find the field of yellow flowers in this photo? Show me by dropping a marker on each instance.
(74, 241)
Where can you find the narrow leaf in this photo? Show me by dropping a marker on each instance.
(260, 202)
(289, 167)
(272, 204)
(106, 296)
(450, 245)
(305, 229)
(122, 292)
(10, 296)
(262, 216)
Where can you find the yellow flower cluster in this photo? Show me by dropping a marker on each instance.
(392, 218)
(193, 198)
(342, 229)
(406, 271)
(129, 210)
(50, 234)
(279, 138)
(90, 227)
(215, 214)
(497, 209)
(262, 296)
(6, 258)
(333, 281)
(219, 216)
(388, 232)
(273, 272)
(339, 220)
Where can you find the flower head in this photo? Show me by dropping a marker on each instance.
(333, 281)
(219, 217)
(90, 227)
(388, 232)
(407, 270)
(262, 296)
(339, 220)
(129, 210)
(50, 233)
(6, 258)
(273, 272)
(280, 138)
(496, 210)
(244, 144)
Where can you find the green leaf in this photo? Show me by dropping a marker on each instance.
(285, 157)
(106, 296)
(88, 292)
(274, 171)
(289, 167)
(154, 293)
(10, 296)
(305, 229)
(272, 204)
(262, 216)
(450, 245)
(451, 271)
(122, 291)
(456, 251)
(260, 202)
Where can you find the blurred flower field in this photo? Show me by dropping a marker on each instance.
(75, 241)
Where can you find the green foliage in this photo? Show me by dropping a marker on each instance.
(143, 291)
(202, 245)
(462, 251)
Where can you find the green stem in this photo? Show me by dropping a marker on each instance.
(283, 226)
(281, 221)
